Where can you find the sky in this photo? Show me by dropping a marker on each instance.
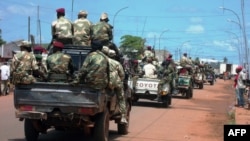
(197, 27)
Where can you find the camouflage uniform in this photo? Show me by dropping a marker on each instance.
(22, 66)
(62, 30)
(102, 31)
(136, 72)
(60, 67)
(117, 76)
(82, 30)
(94, 70)
(41, 66)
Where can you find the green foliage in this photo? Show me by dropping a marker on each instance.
(1, 40)
(132, 46)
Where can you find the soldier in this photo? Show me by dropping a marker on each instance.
(62, 28)
(82, 29)
(117, 76)
(23, 65)
(94, 70)
(41, 57)
(60, 65)
(168, 72)
(149, 70)
(148, 54)
(136, 72)
(102, 31)
(185, 63)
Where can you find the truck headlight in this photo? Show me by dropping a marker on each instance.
(165, 89)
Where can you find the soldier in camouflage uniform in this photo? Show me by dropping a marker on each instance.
(168, 72)
(40, 58)
(23, 66)
(136, 72)
(117, 76)
(148, 54)
(62, 28)
(82, 29)
(94, 70)
(102, 31)
(60, 65)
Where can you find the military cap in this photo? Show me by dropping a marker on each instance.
(239, 68)
(82, 12)
(135, 61)
(111, 53)
(185, 54)
(58, 44)
(38, 48)
(60, 10)
(25, 44)
(104, 16)
(149, 47)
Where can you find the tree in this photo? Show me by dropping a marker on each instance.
(1, 40)
(132, 46)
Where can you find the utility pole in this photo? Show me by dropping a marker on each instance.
(29, 28)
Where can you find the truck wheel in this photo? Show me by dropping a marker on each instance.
(201, 86)
(101, 128)
(135, 98)
(123, 128)
(212, 82)
(189, 93)
(31, 134)
(167, 101)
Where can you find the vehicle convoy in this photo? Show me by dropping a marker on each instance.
(147, 88)
(184, 83)
(62, 106)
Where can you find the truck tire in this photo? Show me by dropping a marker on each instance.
(167, 100)
(31, 134)
(201, 86)
(212, 82)
(123, 128)
(101, 128)
(189, 93)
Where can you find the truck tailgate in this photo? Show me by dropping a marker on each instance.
(57, 95)
(144, 85)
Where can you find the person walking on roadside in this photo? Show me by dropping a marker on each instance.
(5, 73)
(235, 87)
(241, 86)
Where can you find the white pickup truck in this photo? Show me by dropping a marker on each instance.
(147, 88)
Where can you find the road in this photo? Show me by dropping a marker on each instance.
(198, 119)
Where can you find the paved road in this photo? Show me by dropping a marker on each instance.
(198, 119)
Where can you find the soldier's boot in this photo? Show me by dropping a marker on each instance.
(124, 119)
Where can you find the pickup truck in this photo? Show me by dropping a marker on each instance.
(147, 88)
(62, 106)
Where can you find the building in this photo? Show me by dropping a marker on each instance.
(6, 50)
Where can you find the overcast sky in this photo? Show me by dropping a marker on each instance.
(198, 27)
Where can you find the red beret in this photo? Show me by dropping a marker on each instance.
(135, 61)
(60, 10)
(239, 68)
(58, 44)
(38, 48)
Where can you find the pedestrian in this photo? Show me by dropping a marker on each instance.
(117, 76)
(102, 31)
(237, 70)
(62, 28)
(23, 66)
(59, 65)
(82, 29)
(5, 73)
(241, 86)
